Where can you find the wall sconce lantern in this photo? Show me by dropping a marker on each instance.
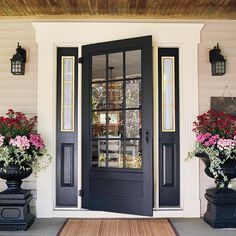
(218, 63)
(18, 61)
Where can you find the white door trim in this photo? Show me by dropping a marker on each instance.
(186, 36)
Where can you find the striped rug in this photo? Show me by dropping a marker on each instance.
(117, 227)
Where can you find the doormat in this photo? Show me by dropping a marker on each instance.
(118, 227)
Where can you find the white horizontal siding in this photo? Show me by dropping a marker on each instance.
(18, 92)
(225, 34)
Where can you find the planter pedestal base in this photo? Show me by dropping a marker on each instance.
(221, 208)
(15, 210)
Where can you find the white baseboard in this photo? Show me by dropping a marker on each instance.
(192, 208)
(46, 211)
(101, 214)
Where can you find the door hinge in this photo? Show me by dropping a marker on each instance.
(80, 60)
(81, 193)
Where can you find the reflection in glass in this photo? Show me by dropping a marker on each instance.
(115, 122)
(115, 66)
(101, 152)
(98, 96)
(115, 95)
(168, 94)
(116, 104)
(67, 93)
(133, 64)
(99, 68)
(133, 154)
(133, 93)
(98, 124)
(133, 123)
(115, 153)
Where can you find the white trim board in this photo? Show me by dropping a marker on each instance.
(185, 36)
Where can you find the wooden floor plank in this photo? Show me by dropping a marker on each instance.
(117, 227)
(123, 228)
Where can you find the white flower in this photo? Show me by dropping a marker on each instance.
(1, 140)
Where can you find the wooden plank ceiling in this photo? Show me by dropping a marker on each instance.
(181, 9)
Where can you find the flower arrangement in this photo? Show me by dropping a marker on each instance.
(20, 144)
(216, 138)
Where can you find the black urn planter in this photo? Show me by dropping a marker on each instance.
(228, 168)
(14, 201)
(13, 176)
(221, 207)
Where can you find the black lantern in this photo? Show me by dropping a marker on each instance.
(18, 61)
(218, 63)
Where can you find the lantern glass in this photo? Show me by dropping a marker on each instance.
(218, 68)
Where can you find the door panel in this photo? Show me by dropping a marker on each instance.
(117, 126)
(67, 127)
(169, 183)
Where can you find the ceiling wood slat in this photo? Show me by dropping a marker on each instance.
(159, 9)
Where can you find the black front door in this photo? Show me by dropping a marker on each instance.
(117, 126)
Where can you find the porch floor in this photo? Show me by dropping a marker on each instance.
(185, 227)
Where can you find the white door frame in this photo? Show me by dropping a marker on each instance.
(185, 36)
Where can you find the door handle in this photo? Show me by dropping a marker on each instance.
(147, 136)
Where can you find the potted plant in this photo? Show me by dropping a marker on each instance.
(21, 148)
(216, 146)
(22, 151)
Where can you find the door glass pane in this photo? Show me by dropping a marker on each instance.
(68, 68)
(67, 118)
(115, 66)
(98, 124)
(133, 64)
(115, 95)
(116, 108)
(102, 147)
(133, 93)
(115, 155)
(115, 123)
(98, 96)
(133, 154)
(133, 123)
(168, 94)
(99, 68)
(67, 94)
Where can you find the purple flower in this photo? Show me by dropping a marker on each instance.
(37, 141)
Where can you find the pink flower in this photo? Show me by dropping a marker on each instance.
(1, 140)
(226, 144)
(212, 140)
(21, 142)
(207, 139)
(37, 141)
(201, 138)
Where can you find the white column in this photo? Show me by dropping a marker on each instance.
(46, 126)
(188, 112)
